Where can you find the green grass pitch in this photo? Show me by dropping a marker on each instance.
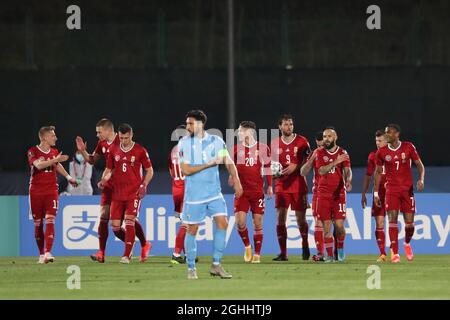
(427, 277)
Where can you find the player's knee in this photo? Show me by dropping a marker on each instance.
(49, 219)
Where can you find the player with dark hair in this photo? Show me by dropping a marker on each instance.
(291, 189)
(333, 165)
(396, 158)
(125, 163)
(45, 161)
(377, 212)
(252, 159)
(318, 226)
(200, 153)
(107, 138)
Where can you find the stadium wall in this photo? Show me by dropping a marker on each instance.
(76, 227)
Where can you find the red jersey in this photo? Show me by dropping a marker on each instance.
(371, 166)
(126, 168)
(331, 184)
(251, 163)
(42, 182)
(102, 149)
(397, 163)
(316, 175)
(285, 153)
(175, 171)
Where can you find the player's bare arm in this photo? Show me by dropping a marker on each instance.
(60, 169)
(105, 177)
(325, 169)
(232, 170)
(421, 168)
(376, 198)
(81, 147)
(306, 168)
(365, 188)
(40, 164)
(348, 175)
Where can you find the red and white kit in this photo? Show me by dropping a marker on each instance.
(331, 195)
(291, 190)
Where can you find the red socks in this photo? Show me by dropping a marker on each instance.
(304, 233)
(140, 233)
(318, 238)
(340, 241)
(103, 234)
(179, 240)
(329, 246)
(130, 235)
(244, 236)
(282, 238)
(257, 240)
(409, 231)
(49, 233)
(39, 235)
(393, 236)
(380, 236)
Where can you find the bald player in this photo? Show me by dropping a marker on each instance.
(334, 168)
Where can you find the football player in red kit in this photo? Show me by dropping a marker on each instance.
(397, 158)
(252, 159)
(125, 163)
(291, 150)
(45, 161)
(318, 226)
(178, 195)
(377, 212)
(107, 137)
(333, 164)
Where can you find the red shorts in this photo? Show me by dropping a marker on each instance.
(297, 201)
(331, 209)
(250, 200)
(120, 208)
(379, 211)
(178, 202)
(42, 205)
(402, 201)
(314, 205)
(106, 197)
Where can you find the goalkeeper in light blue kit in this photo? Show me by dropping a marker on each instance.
(200, 154)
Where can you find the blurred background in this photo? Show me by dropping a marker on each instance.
(148, 62)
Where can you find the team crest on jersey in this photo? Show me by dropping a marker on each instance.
(325, 158)
(103, 149)
(256, 153)
(241, 153)
(117, 157)
(132, 160)
(388, 158)
(295, 149)
(403, 156)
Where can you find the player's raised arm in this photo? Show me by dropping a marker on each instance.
(81, 147)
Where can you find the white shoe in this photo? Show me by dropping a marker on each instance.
(48, 257)
(41, 259)
(192, 274)
(248, 254)
(125, 260)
